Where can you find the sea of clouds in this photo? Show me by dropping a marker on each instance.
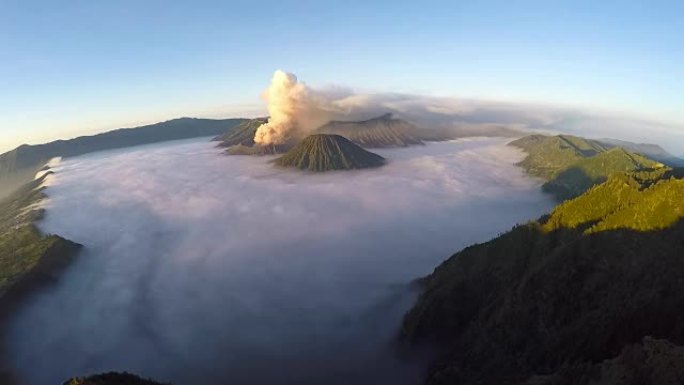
(200, 268)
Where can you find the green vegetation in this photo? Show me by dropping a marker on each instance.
(548, 155)
(329, 152)
(643, 201)
(28, 258)
(571, 165)
(587, 172)
(570, 299)
(383, 131)
(23, 249)
(111, 378)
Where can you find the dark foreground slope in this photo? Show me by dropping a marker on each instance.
(571, 165)
(26, 160)
(327, 153)
(111, 378)
(591, 294)
(28, 258)
(383, 131)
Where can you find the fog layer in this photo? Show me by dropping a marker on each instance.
(201, 268)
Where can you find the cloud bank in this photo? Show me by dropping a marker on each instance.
(205, 269)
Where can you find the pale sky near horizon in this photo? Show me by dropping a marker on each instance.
(76, 67)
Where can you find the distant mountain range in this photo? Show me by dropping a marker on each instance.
(383, 131)
(652, 151)
(25, 160)
(571, 165)
(589, 294)
(379, 132)
(322, 152)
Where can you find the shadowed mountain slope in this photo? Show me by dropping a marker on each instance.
(329, 152)
(566, 297)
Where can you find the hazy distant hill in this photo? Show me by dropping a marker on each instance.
(323, 152)
(383, 131)
(652, 151)
(590, 294)
(27, 159)
(571, 165)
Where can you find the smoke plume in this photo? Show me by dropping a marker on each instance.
(294, 108)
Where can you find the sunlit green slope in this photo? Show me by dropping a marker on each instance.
(566, 299)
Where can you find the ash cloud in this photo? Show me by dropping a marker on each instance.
(201, 268)
(293, 108)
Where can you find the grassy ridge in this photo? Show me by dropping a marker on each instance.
(571, 165)
(329, 152)
(643, 201)
(548, 300)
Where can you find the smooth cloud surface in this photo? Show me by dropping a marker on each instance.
(200, 268)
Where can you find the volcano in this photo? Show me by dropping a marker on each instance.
(323, 152)
(242, 134)
(383, 131)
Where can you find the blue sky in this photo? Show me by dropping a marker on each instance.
(73, 67)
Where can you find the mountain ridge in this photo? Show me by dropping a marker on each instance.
(570, 165)
(653, 151)
(28, 159)
(548, 300)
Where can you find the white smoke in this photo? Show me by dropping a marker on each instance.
(294, 109)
